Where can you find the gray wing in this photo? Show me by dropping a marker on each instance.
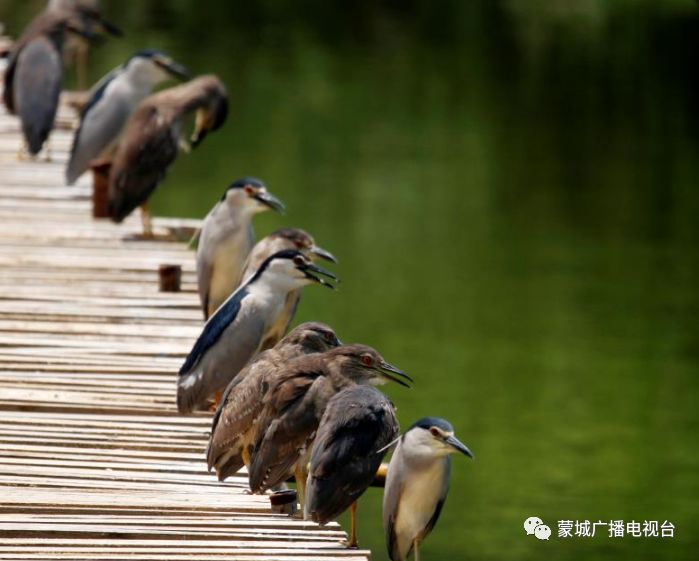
(395, 485)
(230, 339)
(205, 264)
(281, 324)
(37, 85)
(100, 125)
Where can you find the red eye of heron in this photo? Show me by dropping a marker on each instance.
(299, 245)
(298, 260)
(250, 191)
(435, 432)
(367, 360)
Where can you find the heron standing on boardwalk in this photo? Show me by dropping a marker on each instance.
(226, 239)
(154, 135)
(417, 484)
(34, 75)
(235, 421)
(356, 430)
(233, 335)
(296, 402)
(112, 102)
(284, 238)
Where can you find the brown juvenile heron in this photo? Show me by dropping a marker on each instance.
(284, 238)
(232, 336)
(34, 75)
(296, 402)
(417, 484)
(357, 428)
(154, 135)
(235, 421)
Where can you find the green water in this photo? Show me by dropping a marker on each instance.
(511, 188)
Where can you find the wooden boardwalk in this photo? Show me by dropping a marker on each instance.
(94, 461)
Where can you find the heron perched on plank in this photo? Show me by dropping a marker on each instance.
(34, 75)
(284, 238)
(153, 137)
(112, 101)
(417, 484)
(226, 239)
(233, 335)
(296, 402)
(356, 430)
(235, 421)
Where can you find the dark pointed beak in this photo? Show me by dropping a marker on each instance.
(271, 201)
(322, 253)
(458, 445)
(176, 70)
(394, 374)
(110, 28)
(312, 268)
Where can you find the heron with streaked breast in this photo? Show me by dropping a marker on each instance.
(112, 101)
(153, 137)
(234, 425)
(355, 432)
(417, 484)
(226, 238)
(295, 403)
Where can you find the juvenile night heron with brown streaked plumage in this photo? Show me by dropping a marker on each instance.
(417, 484)
(226, 239)
(34, 75)
(284, 238)
(234, 425)
(154, 136)
(296, 402)
(355, 432)
(233, 335)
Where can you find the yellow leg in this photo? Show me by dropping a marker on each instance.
(22, 151)
(353, 543)
(146, 221)
(300, 475)
(47, 150)
(416, 550)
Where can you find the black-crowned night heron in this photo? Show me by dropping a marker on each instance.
(296, 402)
(112, 101)
(284, 238)
(417, 484)
(356, 430)
(153, 137)
(226, 239)
(233, 335)
(34, 74)
(233, 427)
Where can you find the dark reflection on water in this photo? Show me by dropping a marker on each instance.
(512, 192)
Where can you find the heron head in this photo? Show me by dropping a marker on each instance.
(313, 337)
(250, 194)
(290, 269)
(295, 238)
(213, 110)
(364, 364)
(157, 66)
(436, 437)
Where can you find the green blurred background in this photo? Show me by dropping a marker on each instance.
(511, 187)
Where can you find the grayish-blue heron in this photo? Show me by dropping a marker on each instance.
(233, 334)
(153, 137)
(356, 430)
(284, 238)
(34, 75)
(226, 239)
(417, 484)
(235, 421)
(112, 101)
(296, 402)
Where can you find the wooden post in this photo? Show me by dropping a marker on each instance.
(170, 277)
(100, 188)
(283, 502)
